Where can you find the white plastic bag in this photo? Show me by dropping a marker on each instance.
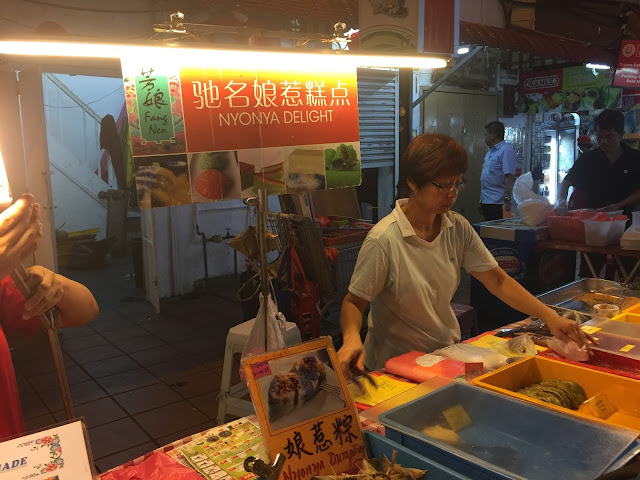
(532, 207)
(468, 353)
(534, 210)
(523, 188)
(276, 327)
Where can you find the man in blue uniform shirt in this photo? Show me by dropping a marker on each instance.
(498, 174)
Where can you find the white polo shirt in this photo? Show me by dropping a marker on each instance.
(410, 283)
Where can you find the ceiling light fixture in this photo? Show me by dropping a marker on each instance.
(307, 59)
(598, 66)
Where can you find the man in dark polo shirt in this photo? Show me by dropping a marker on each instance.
(608, 176)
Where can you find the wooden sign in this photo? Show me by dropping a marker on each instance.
(305, 411)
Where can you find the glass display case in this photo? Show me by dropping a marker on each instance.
(560, 150)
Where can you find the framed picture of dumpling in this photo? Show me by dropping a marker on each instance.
(301, 387)
(304, 408)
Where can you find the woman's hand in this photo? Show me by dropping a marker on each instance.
(20, 233)
(351, 353)
(566, 330)
(47, 290)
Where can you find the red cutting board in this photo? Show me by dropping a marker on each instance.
(406, 366)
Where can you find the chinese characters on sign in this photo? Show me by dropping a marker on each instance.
(302, 410)
(628, 71)
(237, 131)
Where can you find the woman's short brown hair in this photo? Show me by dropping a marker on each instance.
(429, 156)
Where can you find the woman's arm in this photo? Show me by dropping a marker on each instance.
(74, 301)
(352, 351)
(516, 296)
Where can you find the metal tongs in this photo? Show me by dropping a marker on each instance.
(536, 326)
(51, 323)
(357, 375)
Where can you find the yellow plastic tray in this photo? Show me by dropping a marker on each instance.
(623, 392)
(633, 309)
(628, 317)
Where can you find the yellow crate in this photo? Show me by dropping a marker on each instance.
(628, 317)
(635, 309)
(623, 392)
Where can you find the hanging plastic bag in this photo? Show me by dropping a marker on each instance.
(159, 466)
(532, 207)
(273, 334)
(523, 188)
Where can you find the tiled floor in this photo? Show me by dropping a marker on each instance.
(140, 380)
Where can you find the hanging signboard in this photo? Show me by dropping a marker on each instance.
(59, 453)
(569, 90)
(628, 70)
(204, 134)
(305, 412)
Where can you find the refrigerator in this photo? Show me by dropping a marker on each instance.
(560, 150)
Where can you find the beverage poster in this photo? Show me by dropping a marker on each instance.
(569, 89)
(203, 134)
(305, 410)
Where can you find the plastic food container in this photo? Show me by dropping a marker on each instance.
(377, 445)
(629, 317)
(506, 438)
(633, 309)
(622, 392)
(570, 226)
(604, 361)
(635, 216)
(601, 234)
(612, 326)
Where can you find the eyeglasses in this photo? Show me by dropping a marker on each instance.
(450, 187)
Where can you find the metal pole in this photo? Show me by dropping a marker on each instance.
(50, 321)
(262, 245)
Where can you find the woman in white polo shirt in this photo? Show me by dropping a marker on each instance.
(409, 267)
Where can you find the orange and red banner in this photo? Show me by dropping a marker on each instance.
(206, 134)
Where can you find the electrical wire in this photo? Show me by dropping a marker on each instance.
(16, 22)
(87, 103)
(100, 10)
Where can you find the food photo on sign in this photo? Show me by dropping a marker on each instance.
(262, 168)
(301, 387)
(214, 176)
(162, 181)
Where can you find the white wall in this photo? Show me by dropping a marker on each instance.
(73, 138)
(179, 249)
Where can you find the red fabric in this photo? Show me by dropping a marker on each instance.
(11, 308)
(158, 466)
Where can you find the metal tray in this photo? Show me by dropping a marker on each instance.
(612, 292)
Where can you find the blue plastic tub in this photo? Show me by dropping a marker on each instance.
(508, 439)
(377, 445)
